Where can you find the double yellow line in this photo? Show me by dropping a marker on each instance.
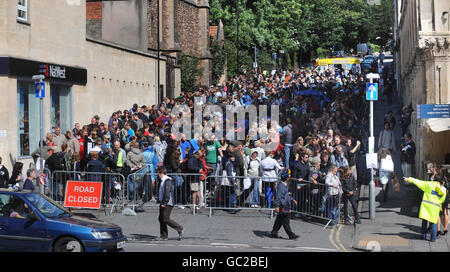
(338, 245)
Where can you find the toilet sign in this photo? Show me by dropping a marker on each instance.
(372, 91)
(83, 194)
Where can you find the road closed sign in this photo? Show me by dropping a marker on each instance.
(83, 194)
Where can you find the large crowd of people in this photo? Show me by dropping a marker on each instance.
(321, 131)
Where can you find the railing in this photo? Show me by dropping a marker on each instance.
(113, 183)
(238, 192)
(189, 190)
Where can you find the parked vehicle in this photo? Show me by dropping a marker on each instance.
(30, 221)
(366, 66)
(363, 49)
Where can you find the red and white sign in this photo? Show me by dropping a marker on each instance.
(83, 194)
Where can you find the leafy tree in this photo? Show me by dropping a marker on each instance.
(299, 27)
(190, 72)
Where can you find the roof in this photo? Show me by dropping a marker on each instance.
(213, 31)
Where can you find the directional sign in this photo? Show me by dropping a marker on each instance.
(372, 91)
(425, 111)
(40, 89)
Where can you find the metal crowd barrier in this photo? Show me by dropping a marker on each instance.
(43, 181)
(113, 193)
(238, 193)
(143, 187)
(314, 200)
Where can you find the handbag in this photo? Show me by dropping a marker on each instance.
(247, 183)
(387, 165)
(395, 184)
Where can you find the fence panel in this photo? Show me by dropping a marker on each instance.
(315, 200)
(239, 192)
(189, 190)
(113, 186)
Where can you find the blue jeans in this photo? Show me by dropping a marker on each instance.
(55, 190)
(233, 197)
(433, 230)
(287, 154)
(254, 196)
(333, 209)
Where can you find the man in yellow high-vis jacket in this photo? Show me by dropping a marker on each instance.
(434, 194)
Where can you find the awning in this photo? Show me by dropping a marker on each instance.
(439, 124)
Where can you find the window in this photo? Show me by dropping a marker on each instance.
(22, 10)
(61, 107)
(28, 118)
(13, 206)
(5, 205)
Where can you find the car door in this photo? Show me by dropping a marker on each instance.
(5, 242)
(26, 234)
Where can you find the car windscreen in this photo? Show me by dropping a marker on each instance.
(46, 206)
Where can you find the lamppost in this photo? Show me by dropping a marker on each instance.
(40, 79)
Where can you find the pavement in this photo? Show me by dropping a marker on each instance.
(396, 226)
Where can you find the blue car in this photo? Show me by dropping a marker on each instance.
(30, 221)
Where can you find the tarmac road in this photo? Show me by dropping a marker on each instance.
(246, 231)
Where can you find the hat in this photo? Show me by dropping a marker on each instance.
(247, 151)
(284, 176)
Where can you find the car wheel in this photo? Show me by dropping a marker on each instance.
(68, 244)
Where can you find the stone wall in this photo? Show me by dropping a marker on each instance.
(94, 11)
(424, 45)
(187, 28)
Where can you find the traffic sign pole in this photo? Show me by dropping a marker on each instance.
(372, 183)
(41, 116)
(372, 150)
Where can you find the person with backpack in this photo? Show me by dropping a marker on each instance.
(166, 202)
(195, 166)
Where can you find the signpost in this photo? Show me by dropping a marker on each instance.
(372, 92)
(372, 95)
(40, 93)
(425, 111)
(83, 194)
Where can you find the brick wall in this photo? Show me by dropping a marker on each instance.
(187, 27)
(94, 19)
(186, 22)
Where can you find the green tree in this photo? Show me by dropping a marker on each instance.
(190, 72)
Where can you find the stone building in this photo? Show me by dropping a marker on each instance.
(423, 40)
(85, 75)
(183, 27)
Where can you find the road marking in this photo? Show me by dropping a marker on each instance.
(229, 245)
(331, 239)
(240, 245)
(338, 233)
